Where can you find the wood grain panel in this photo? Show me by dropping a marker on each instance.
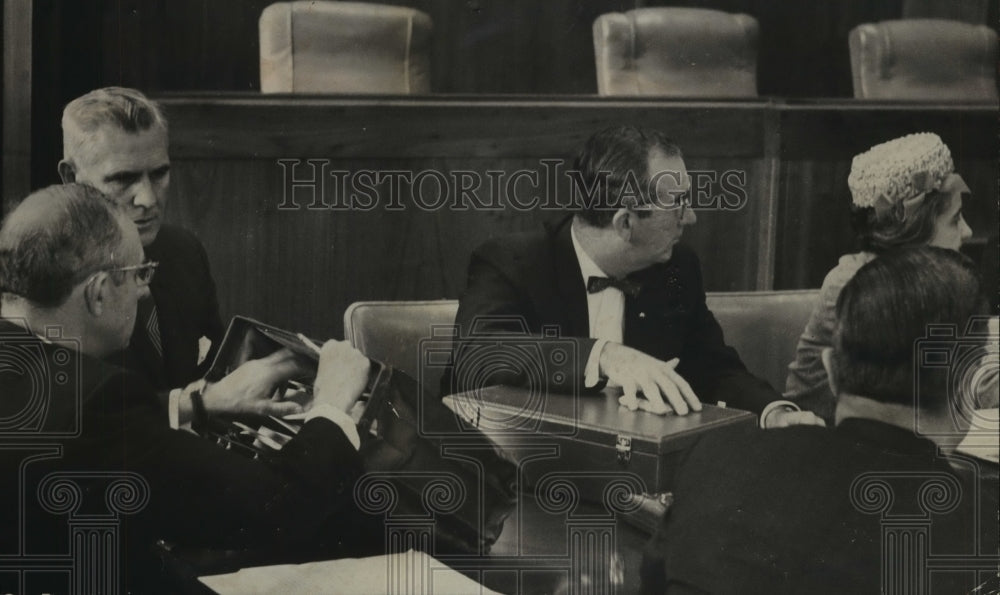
(301, 267)
(16, 124)
(818, 141)
(377, 127)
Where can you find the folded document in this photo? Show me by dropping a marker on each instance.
(412, 573)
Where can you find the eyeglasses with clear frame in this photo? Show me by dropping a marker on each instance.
(143, 272)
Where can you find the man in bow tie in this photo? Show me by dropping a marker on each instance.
(613, 282)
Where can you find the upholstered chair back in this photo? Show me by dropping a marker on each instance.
(688, 52)
(344, 47)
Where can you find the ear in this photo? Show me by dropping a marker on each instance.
(67, 172)
(95, 293)
(827, 356)
(622, 223)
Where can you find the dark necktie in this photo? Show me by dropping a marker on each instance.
(627, 286)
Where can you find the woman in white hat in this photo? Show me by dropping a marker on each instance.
(904, 192)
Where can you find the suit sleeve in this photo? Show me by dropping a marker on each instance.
(501, 341)
(206, 496)
(714, 369)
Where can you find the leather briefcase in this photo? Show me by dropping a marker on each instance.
(590, 442)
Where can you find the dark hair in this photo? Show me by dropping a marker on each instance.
(885, 310)
(54, 239)
(610, 162)
(878, 234)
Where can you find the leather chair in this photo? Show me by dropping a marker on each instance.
(763, 326)
(689, 52)
(397, 333)
(344, 47)
(924, 59)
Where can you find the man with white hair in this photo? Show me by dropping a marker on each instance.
(115, 140)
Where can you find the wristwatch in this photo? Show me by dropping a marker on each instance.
(776, 406)
(199, 415)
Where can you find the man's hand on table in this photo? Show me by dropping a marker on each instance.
(635, 371)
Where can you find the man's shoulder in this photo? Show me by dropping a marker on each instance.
(514, 243)
(516, 251)
(684, 257)
(182, 257)
(56, 377)
(172, 239)
(683, 263)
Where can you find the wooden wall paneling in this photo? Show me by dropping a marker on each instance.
(158, 45)
(301, 268)
(17, 72)
(729, 240)
(216, 127)
(817, 144)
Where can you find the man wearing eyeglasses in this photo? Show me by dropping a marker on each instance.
(71, 276)
(115, 140)
(614, 280)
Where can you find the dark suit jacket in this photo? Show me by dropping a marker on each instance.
(536, 278)
(780, 512)
(187, 308)
(200, 495)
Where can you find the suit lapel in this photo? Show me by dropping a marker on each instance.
(654, 319)
(571, 301)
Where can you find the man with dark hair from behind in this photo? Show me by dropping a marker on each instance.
(815, 510)
(72, 269)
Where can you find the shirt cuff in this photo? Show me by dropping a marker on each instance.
(341, 418)
(174, 409)
(592, 373)
(774, 405)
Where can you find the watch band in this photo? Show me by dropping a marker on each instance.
(780, 405)
(199, 415)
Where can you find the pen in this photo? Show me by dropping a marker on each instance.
(305, 340)
(285, 425)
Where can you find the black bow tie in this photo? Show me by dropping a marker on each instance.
(627, 286)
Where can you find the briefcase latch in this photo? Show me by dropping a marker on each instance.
(623, 449)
